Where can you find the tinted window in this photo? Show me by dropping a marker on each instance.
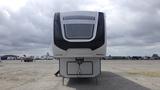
(79, 17)
(78, 31)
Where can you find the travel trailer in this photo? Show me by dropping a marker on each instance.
(79, 43)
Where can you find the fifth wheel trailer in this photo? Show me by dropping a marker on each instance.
(79, 43)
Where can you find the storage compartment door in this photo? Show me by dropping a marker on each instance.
(86, 68)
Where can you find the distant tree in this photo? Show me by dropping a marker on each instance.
(47, 54)
(155, 56)
(24, 55)
(109, 57)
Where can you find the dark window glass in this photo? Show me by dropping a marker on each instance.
(79, 18)
(78, 31)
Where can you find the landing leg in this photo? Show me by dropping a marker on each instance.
(62, 80)
(96, 80)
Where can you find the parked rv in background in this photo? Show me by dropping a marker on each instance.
(153, 57)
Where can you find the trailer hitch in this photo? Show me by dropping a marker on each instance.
(79, 62)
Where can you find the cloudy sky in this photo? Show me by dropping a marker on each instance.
(133, 26)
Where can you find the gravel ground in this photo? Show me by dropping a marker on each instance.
(116, 75)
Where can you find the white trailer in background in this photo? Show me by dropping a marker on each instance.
(79, 43)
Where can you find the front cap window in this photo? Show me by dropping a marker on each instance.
(78, 31)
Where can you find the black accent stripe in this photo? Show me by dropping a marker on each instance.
(97, 42)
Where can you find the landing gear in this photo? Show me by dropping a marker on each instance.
(57, 73)
(62, 80)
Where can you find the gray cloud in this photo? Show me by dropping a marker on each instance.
(131, 24)
(31, 26)
(142, 23)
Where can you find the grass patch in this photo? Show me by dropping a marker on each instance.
(1, 65)
(145, 73)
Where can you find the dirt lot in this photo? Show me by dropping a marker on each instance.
(116, 75)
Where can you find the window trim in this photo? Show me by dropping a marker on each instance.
(95, 22)
(92, 32)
